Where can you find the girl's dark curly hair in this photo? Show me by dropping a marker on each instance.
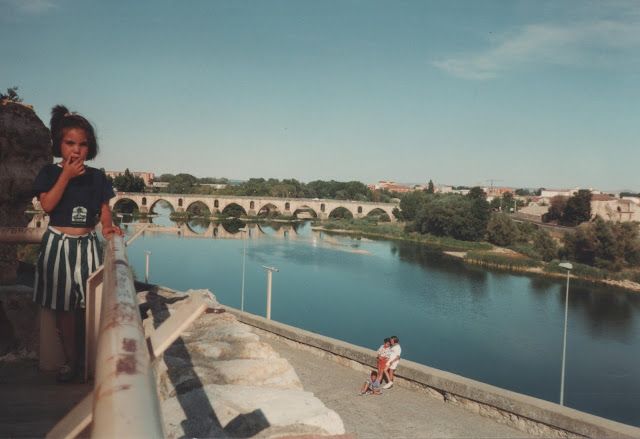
(61, 120)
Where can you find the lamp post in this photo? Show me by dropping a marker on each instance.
(270, 271)
(244, 256)
(567, 266)
(146, 267)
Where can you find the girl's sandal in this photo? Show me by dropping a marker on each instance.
(66, 373)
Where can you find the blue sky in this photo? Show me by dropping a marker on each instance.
(531, 93)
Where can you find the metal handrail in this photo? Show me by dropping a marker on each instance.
(125, 402)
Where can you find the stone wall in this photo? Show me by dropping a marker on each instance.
(531, 415)
(25, 146)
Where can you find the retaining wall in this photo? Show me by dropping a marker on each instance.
(526, 413)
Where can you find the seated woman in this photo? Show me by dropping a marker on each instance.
(384, 354)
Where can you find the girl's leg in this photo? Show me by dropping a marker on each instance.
(66, 325)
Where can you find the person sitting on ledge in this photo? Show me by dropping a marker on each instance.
(396, 350)
(384, 353)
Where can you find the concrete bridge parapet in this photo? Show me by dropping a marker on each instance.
(534, 416)
(252, 206)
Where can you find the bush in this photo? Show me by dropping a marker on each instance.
(545, 246)
(580, 270)
(526, 249)
(501, 230)
(500, 260)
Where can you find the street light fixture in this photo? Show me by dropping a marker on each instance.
(244, 257)
(567, 266)
(270, 271)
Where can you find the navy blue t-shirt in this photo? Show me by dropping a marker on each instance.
(82, 199)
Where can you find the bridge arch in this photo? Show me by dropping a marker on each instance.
(341, 212)
(161, 201)
(379, 213)
(234, 210)
(304, 208)
(126, 205)
(198, 208)
(268, 210)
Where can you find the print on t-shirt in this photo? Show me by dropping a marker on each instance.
(79, 215)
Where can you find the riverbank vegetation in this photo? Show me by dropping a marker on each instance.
(272, 187)
(598, 250)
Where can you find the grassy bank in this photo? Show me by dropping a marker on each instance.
(396, 231)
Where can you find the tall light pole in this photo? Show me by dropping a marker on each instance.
(270, 271)
(567, 266)
(244, 257)
(146, 266)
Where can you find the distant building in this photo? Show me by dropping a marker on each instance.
(147, 177)
(635, 200)
(390, 186)
(550, 193)
(614, 209)
(493, 192)
(443, 189)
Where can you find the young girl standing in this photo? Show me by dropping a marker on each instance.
(76, 197)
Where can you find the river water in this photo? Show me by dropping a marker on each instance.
(496, 327)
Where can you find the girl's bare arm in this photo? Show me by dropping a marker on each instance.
(107, 221)
(70, 169)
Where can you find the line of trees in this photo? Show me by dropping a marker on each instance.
(463, 217)
(272, 187)
(603, 244)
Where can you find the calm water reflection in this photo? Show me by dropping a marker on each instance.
(496, 327)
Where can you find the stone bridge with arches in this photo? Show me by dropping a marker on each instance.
(256, 206)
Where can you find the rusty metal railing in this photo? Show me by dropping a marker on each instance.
(124, 402)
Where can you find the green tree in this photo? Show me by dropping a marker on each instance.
(545, 246)
(502, 230)
(556, 209)
(166, 178)
(461, 217)
(182, 184)
(480, 212)
(411, 203)
(627, 235)
(430, 188)
(580, 246)
(578, 209)
(128, 182)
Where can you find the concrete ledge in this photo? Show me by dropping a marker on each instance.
(523, 412)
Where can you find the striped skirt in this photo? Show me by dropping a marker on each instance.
(64, 265)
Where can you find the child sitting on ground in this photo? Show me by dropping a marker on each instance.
(372, 385)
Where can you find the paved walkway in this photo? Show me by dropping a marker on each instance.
(398, 413)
